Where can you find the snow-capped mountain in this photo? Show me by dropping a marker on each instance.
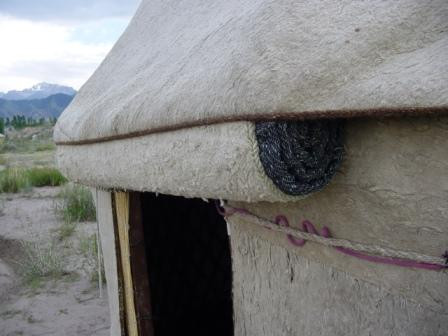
(38, 91)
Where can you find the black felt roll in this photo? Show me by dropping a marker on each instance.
(300, 157)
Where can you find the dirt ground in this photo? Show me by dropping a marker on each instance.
(68, 305)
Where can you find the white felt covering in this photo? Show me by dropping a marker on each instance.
(391, 191)
(219, 161)
(196, 60)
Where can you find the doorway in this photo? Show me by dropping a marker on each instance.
(188, 266)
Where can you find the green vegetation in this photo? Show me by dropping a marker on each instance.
(76, 204)
(26, 145)
(67, 229)
(19, 121)
(27, 140)
(26, 161)
(41, 177)
(13, 180)
(2, 126)
(88, 246)
(44, 146)
(40, 263)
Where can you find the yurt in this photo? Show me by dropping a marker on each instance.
(270, 167)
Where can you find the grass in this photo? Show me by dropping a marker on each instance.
(66, 230)
(76, 204)
(13, 179)
(40, 147)
(26, 146)
(40, 263)
(25, 142)
(94, 276)
(40, 177)
(88, 246)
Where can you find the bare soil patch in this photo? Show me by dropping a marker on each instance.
(65, 305)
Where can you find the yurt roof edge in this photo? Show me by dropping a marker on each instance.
(182, 65)
(183, 102)
(299, 116)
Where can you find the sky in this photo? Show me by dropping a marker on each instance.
(57, 41)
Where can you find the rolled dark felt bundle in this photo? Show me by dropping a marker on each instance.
(300, 157)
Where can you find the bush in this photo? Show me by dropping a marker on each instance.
(13, 180)
(76, 204)
(40, 177)
(39, 263)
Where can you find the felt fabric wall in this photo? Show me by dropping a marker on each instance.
(185, 63)
(219, 161)
(278, 291)
(298, 157)
(138, 123)
(226, 165)
(391, 191)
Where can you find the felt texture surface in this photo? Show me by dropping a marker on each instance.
(183, 63)
(388, 158)
(219, 161)
(391, 191)
(278, 290)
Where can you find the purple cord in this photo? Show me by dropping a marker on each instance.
(307, 226)
(390, 260)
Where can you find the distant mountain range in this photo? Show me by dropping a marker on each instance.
(41, 101)
(38, 91)
(51, 106)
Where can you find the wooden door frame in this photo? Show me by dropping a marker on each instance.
(132, 266)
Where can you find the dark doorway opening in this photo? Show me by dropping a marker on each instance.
(189, 266)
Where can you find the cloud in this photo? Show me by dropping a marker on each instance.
(45, 51)
(68, 10)
(59, 41)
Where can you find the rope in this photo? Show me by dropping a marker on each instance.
(300, 157)
(373, 253)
